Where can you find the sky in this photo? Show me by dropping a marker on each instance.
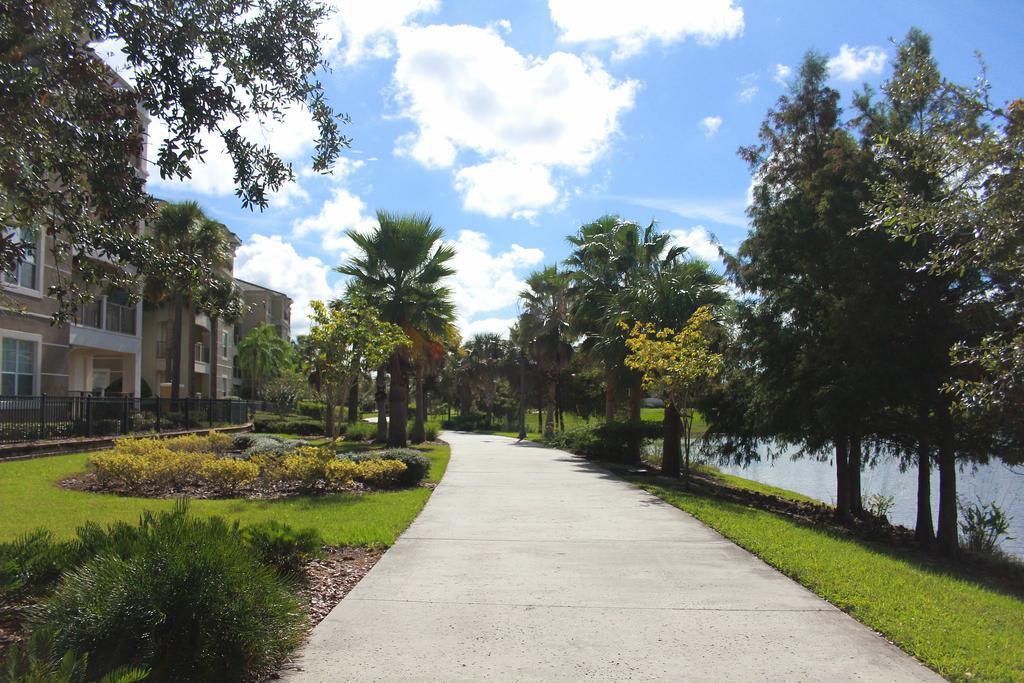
(513, 123)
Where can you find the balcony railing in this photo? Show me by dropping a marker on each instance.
(202, 353)
(106, 315)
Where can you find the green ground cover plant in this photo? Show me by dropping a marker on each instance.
(964, 627)
(31, 499)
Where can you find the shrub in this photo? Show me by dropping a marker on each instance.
(417, 465)
(609, 441)
(380, 473)
(30, 567)
(431, 430)
(113, 466)
(312, 409)
(340, 473)
(307, 466)
(229, 474)
(361, 431)
(271, 446)
(187, 600)
(220, 442)
(468, 422)
(188, 443)
(292, 424)
(37, 661)
(983, 525)
(282, 547)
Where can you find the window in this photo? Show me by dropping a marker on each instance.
(223, 387)
(18, 369)
(224, 344)
(25, 274)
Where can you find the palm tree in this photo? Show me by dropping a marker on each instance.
(262, 354)
(485, 355)
(403, 264)
(189, 257)
(672, 293)
(610, 258)
(544, 325)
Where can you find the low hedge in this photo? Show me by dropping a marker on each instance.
(417, 465)
(290, 424)
(609, 441)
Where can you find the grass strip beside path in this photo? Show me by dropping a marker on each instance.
(963, 629)
(30, 498)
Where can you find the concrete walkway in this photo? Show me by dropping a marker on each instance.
(530, 564)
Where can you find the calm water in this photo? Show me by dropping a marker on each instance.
(986, 483)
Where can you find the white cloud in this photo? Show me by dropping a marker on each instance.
(343, 211)
(698, 242)
(723, 211)
(359, 30)
(749, 88)
(272, 262)
(506, 188)
(292, 138)
(781, 74)
(711, 124)
(499, 326)
(468, 91)
(630, 26)
(485, 282)
(851, 63)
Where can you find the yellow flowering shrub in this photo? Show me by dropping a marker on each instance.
(191, 443)
(220, 442)
(341, 472)
(381, 473)
(118, 466)
(229, 474)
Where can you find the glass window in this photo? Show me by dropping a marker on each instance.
(224, 344)
(24, 274)
(18, 366)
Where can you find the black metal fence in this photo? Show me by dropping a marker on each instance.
(31, 418)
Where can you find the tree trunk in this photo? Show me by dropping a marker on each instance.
(842, 479)
(854, 465)
(948, 537)
(671, 448)
(522, 395)
(924, 531)
(353, 395)
(636, 439)
(176, 326)
(559, 418)
(329, 416)
(398, 400)
(419, 432)
(382, 403)
(550, 390)
(609, 395)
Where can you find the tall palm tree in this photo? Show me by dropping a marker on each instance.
(189, 252)
(611, 257)
(403, 264)
(544, 325)
(485, 355)
(262, 354)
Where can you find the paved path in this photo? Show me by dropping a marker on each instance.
(530, 564)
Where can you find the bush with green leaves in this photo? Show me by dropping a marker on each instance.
(417, 465)
(609, 441)
(289, 424)
(282, 547)
(983, 526)
(361, 431)
(37, 661)
(182, 596)
(270, 446)
(469, 422)
(30, 566)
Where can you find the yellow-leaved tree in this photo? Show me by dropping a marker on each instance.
(675, 365)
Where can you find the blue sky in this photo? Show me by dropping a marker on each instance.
(513, 123)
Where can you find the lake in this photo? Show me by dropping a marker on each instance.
(994, 482)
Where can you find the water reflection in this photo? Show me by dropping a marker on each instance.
(994, 482)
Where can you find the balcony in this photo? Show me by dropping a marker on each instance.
(201, 358)
(106, 315)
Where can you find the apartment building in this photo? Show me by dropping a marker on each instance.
(99, 353)
(265, 305)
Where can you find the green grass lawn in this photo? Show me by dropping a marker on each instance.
(29, 499)
(962, 627)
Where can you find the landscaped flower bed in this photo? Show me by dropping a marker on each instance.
(244, 466)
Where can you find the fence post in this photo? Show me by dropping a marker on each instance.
(231, 413)
(187, 406)
(158, 414)
(42, 416)
(124, 414)
(209, 411)
(88, 414)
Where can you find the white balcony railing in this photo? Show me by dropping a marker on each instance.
(106, 315)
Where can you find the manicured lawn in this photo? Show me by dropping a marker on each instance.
(30, 499)
(751, 485)
(962, 628)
